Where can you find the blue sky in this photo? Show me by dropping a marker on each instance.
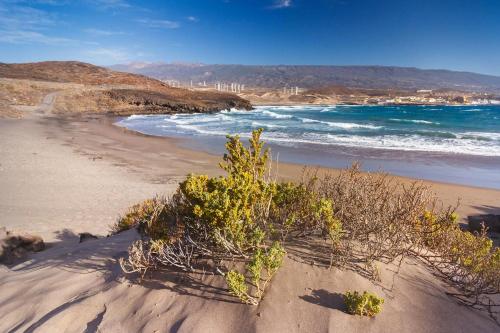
(459, 35)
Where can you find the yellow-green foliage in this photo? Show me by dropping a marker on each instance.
(469, 260)
(260, 269)
(232, 209)
(366, 304)
(300, 208)
(442, 234)
(137, 214)
(237, 285)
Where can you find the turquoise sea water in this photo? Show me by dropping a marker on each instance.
(414, 141)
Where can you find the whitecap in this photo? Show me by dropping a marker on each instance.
(415, 121)
(352, 125)
(259, 124)
(276, 115)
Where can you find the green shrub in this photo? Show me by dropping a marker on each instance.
(230, 211)
(238, 287)
(260, 269)
(137, 214)
(469, 261)
(301, 209)
(366, 304)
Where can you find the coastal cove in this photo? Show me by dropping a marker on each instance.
(449, 144)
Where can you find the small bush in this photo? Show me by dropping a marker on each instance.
(299, 209)
(137, 214)
(260, 269)
(215, 219)
(366, 304)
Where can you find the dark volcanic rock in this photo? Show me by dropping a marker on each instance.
(86, 236)
(491, 222)
(179, 100)
(14, 247)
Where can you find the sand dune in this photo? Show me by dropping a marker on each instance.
(60, 177)
(80, 288)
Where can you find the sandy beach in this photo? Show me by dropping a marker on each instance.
(259, 166)
(63, 176)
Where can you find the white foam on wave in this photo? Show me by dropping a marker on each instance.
(276, 115)
(197, 129)
(308, 120)
(136, 116)
(278, 123)
(197, 118)
(481, 136)
(339, 125)
(235, 111)
(353, 125)
(391, 142)
(415, 121)
(259, 124)
(329, 109)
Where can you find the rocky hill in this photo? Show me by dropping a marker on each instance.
(369, 77)
(85, 88)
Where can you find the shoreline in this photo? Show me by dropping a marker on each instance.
(62, 176)
(437, 148)
(474, 199)
(183, 144)
(141, 165)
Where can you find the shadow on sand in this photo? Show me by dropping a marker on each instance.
(327, 299)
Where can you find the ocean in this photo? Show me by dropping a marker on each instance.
(457, 144)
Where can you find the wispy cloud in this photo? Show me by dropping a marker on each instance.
(21, 17)
(109, 4)
(28, 37)
(278, 4)
(27, 25)
(159, 24)
(192, 18)
(42, 2)
(99, 32)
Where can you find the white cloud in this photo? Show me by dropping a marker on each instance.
(27, 37)
(27, 25)
(100, 32)
(282, 4)
(192, 18)
(159, 24)
(20, 17)
(109, 4)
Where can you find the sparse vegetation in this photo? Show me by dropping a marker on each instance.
(366, 304)
(269, 261)
(139, 214)
(243, 222)
(85, 88)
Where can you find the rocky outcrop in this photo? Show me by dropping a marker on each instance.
(86, 236)
(16, 246)
(178, 101)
